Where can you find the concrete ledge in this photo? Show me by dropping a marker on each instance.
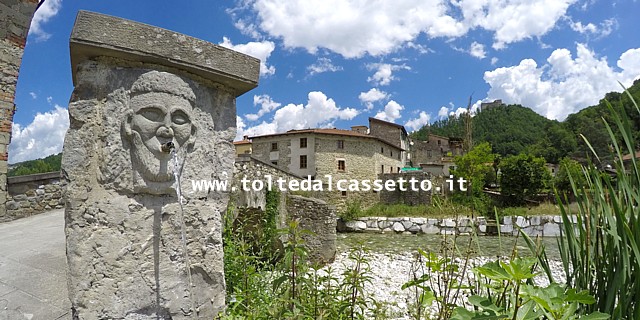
(34, 177)
(96, 35)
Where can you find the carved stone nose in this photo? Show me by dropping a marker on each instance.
(165, 132)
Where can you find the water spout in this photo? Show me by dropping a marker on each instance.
(176, 173)
(167, 147)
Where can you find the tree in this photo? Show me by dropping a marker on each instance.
(475, 166)
(569, 168)
(522, 176)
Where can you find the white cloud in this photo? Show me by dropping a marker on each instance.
(240, 125)
(42, 137)
(419, 122)
(604, 29)
(319, 112)
(384, 72)
(354, 28)
(391, 112)
(323, 65)
(477, 50)
(49, 99)
(266, 105)
(565, 84)
(368, 98)
(513, 20)
(48, 10)
(494, 60)
(261, 50)
(33, 95)
(443, 112)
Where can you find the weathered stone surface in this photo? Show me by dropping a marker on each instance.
(398, 227)
(320, 218)
(551, 229)
(356, 225)
(124, 220)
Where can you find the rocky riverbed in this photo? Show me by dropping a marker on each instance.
(389, 271)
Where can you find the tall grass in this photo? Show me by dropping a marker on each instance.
(600, 253)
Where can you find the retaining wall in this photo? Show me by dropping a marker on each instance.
(545, 226)
(33, 194)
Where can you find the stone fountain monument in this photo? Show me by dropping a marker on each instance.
(151, 110)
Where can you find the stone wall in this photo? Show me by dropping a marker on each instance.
(33, 194)
(15, 19)
(314, 214)
(545, 226)
(320, 218)
(410, 196)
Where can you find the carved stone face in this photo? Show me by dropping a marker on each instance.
(155, 119)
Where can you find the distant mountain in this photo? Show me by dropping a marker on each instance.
(48, 164)
(514, 129)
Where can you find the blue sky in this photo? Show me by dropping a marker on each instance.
(334, 63)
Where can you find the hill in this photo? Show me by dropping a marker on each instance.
(48, 164)
(514, 129)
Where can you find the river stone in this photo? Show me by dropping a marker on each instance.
(356, 225)
(398, 227)
(138, 87)
(430, 229)
(551, 229)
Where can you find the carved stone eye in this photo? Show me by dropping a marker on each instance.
(179, 117)
(152, 114)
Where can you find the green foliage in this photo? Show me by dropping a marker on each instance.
(569, 169)
(475, 165)
(601, 253)
(48, 164)
(352, 211)
(522, 176)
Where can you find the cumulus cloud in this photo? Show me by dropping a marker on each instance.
(513, 20)
(48, 10)
(33, 95)
(391, 112)
(477, 50)
(261, 50)
(355, 28)
(565, 84)
(319, 112)
(266, 105)
(44, 136)
(323, 65)
(384, 72)
(370, 97)
(419, 122)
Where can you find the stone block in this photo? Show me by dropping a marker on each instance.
(151, 110)
(430, 229)
(398, 227)
(551, 229)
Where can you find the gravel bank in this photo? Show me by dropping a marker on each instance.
(390, 271)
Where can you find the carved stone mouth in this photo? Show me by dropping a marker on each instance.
(167, 147)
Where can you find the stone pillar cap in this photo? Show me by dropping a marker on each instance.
(96, 35)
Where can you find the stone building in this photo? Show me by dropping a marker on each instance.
(342, 154)
(391, 133)
(437, 154)
(243, 147)
(15, 19)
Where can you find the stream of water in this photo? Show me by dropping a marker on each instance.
(487, 246)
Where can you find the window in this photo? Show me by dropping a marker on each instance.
(274, 146)
(303, 142)
(303, 162)
(344, 193)
(341, 165)
(429, 154)
(275, 163)
(340, 144)
(382, 169)
(439, 142)
(391, 170)
(391, 153)
(398, 169)
(381, 150)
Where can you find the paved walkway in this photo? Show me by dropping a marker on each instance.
(33, 283)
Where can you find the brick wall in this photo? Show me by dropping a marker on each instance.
(15, 19)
